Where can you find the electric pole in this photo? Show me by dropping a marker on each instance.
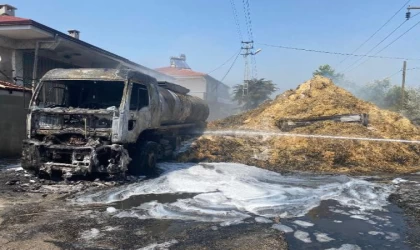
(408, 14)
(247, 50)
(404, 69)
(247, 47)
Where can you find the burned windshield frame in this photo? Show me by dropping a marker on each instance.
(86, 94)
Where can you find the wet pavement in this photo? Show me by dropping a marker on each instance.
(208, 206)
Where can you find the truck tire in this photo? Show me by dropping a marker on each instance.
(144, 159)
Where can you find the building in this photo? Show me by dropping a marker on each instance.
(29, 49)
(13, 102)
(201, 85)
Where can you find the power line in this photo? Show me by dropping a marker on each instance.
(393, 74)
(383, 78)
(223, 64)
(233, 63)
(412, 27)
(396, 39)
(337, 53)
(374, 47)
(235, 17)
(248, 21)
(380, 28)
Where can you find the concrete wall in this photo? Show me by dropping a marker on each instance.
(218, 98)
(12, 122)
(196, 85)
(212, 91)
(6, 65)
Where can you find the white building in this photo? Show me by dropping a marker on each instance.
(201, 85)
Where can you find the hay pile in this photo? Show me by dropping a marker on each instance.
(316, 97)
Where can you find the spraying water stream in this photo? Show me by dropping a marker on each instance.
(252, 133)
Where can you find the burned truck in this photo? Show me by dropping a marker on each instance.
(106, 121)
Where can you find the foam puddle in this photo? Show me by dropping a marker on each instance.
(310, 209)
(230, 193)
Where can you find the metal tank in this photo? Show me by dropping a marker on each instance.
(179, 108)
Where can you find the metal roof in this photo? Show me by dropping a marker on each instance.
(16, 21)
(96, 74)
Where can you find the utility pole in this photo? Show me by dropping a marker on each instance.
(404, 69)
(247, 49)
(408, 14)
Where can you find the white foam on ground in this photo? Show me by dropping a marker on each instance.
(160, 246)
(359, 217)
(392, 236)
(282, 228)
(323, 237)
(230, 192)
(262, 220)
(91, 234)
(398, 180)
(111, 210)
(346, 247)
(375, 233)
(302, 223)
(14, 167)
(338, 221)
(110, 228)
(302, 236)
(9, 165)
(339, 211)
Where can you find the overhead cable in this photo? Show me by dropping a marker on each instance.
(338, 53)
(376, 32)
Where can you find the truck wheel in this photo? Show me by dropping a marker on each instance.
(144, 160)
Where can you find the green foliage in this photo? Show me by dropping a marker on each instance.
(412, 104)
(388, 96)
(380, 92)
(327, 71)
(375, 92)
(259, 90)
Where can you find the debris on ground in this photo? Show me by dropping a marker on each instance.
(19, 180)
(318, 97)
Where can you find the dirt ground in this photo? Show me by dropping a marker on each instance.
(37, 215)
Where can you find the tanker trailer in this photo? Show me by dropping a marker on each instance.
(106, 121)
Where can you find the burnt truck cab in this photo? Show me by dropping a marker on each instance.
(85, 121)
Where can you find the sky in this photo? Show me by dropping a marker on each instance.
(150, 31)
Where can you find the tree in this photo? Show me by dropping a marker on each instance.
(375, 92)
(327, 71)
(412, 104)
(259, 90)
(388, 96)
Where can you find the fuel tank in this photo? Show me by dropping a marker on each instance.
(177, 108)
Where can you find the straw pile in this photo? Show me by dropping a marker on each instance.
(316, 97)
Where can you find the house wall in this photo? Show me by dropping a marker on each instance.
(13, 110)
(6, 65)
(196, 85)
(219, 99)
(212, 91)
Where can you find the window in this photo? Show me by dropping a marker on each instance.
(80, 94)
(139, 97)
